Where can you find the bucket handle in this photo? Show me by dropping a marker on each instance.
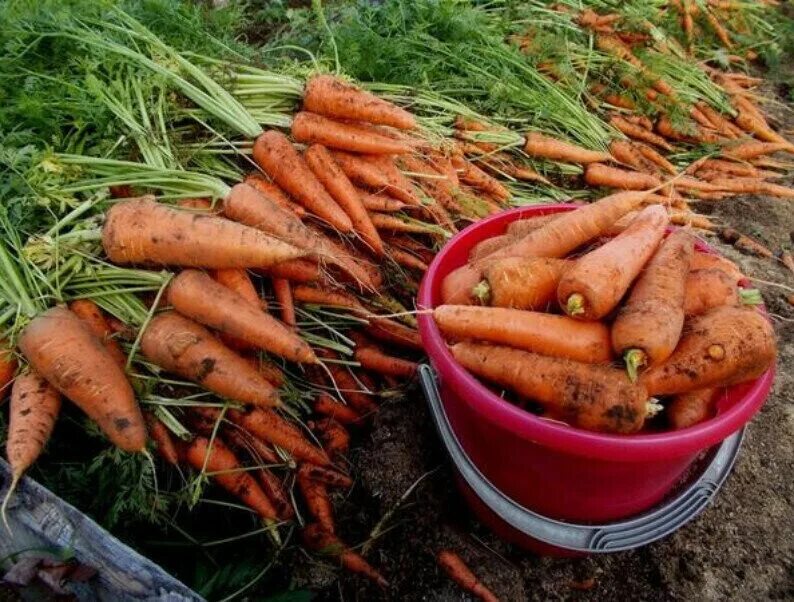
(588, 538)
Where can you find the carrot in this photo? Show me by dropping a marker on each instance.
(60, 347)
(242, 441)
(143, 231)
(270, 427)
(744, 243)
(274, 194)
(317, 500)
(457, 570)
(239, 281)
(649, 324)
(8, 367)
(787, 259)
(335, 438)
(317, 296)
(311, 128)
(552, 335)
(524, 226)
(470, 174)
(598, 174)
(490, 245)
(545, 147)
(274, 153)
(379, 175)
(328, 406)
(723, 347)
(710, 288)
(657, 159)
(296, 270)
(318, 539)
(267, 369)
(215, 457)
(429, 180)
(32, 413)
(89, 312)
(521, 282)
(705, 261)
(184, 347)
(727, 168)
(753, 149)
(327, 476)
(197, 296)
(283, 293)
(594, 285)
(753, 186)
(329, 96)
(689, 409)
(341, 189)
(589, 396)
(406, 259)
(623, 152)
(374, 201)
(161, 436)
(375, 360)
(721, 124)
(393, 223)
(389, 331)
(636, 132)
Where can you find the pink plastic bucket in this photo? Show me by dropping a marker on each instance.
(550, 468)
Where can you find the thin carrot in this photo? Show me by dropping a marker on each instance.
(723, 347)
(242, 441)
(267, 369)
(393, 223)
(589, 396)
(90, 313)
(274, 153)
(744, 243)
(545, 147)
(594, 285)
(61, 348)
(548, 334)
(374, 201)
(296, 270)
(327, 95)
(327, 476)
(317, 499)
(143, 231)
(376, 173)
(721, 124)
(283, 293)
(239, 281)
(389, 331)
(649, 324)
(753, 149)
(753, 186)
(656, 158)
(161, 437)
(270, 427)
(727, 167)
(598, 174)
(184, 347)
(328, 406)
(623, 152)
(341, 189)
(336, 439)
(197, 296)
(8, 367)
(432, 182)
(311, 128)
(636, 132)
(318, 539)
(457, 570)
(469, 173)
(371, 358)
(406, 259)
(274, 193)
(216, 458)
(689, 409)
(317, 296)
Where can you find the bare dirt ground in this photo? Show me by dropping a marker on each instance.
(740, 548)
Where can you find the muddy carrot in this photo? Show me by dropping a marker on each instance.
(327, 476)
(689, 409)
(520, 283)
(336, 439)
(240, 282)
(328, 406)
(317, 499)
(406, 259)
(705, 261)
(457, 570)
(8, 367)
(710, 288)
(375, 360)
(389, 331)
(274, 194)
(161, 437)
(744, 243)
(90, 313)
(319, 540)
(490, 245)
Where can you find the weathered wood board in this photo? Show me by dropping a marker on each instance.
(40, 519)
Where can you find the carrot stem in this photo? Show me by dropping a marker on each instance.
(635, 359)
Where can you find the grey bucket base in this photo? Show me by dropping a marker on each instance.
(587, 538)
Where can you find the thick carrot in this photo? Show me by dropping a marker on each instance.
(32, 413)
(709, 288)
(548, 334)
(723, 347)
(521, 282)
(754, 149)
(522, 227)
(283, 293)
(329, 96)
(61, 348)
(689, 409)
(215, 457)
(706, 261)
(649, 324)
(545, 147)
(311, 128)
(623, 152)
(239, 281)
(328, 406)
(184, 347)
(90, 313)
(161, 437)
(197, 296)
(457, 570)
(490, 245)
(343, 192)
(274, 153)
(376, 173)
(598, 174)
(8, 367)
(371, 358)
(143, 231)
(274, 194)
(317, 500)
(595, 284)
(636, 132)
(589, 396)
(296, 270)
(270, 427)
(319, 540)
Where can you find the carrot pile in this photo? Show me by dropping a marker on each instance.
(552, 335)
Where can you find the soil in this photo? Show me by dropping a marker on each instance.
(740, 548)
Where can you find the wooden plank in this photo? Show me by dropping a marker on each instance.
(40, 519)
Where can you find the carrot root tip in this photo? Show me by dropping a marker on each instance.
(750, 296)
(635, 359)
(575, 305)
(652, 407)
(482, 292)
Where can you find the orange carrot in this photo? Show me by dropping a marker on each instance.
(274, 153)
(274, 194)
(623, 152)
(545, 147)
(389, 331)
(707, 289)
(745, 243)
(753, 149)
(335, 438)
(406, 259)
(327, 476)
(143, 231)
(374, 201)
(317, 500)
(636, 132)
(242, 441)
(723, 347)
(283, 292)
(375, 360)
(215, 457)
(429, 180)
(297, 270)
(705, 261)
(186, 348)
(721, 124)
(522, 227)
(476, 177)
(589, 396)
(61, 348)
(376, 173)
(195, 295)
(239, 281)
(318, 539)
(457, 570)
(490, 245)
(598, 174)
(8, 367)
(340, 188)
(689, 409)
(727, 167)
(311, 128)
(521, 282)
(552, 335)
(328, 406)
(329, 96)
(317, 296)
(649, 324)
(594, 285)
(753, 186)
(657, 159)
(161, 436)
(393, 223)
(89, 312)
